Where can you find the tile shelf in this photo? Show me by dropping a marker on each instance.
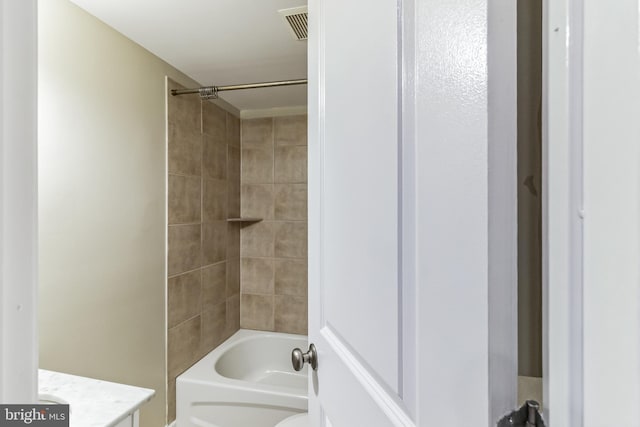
(244, 219)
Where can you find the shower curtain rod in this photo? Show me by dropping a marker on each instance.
(212, 91)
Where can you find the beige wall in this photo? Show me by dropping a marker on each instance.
(204, 249)
(274, 250)
(102, 196)
(529, 188)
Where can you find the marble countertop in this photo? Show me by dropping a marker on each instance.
(93, 403)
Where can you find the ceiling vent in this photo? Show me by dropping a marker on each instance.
(297, 22)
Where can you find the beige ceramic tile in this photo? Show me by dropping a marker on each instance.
(233, 314)
(171, 400)
(290, 202)
(233, 163)
(214, 158)
(214, 285)
(183, 346)
(214, 242)
(233, 277)
(233, 130)
(257, 133)
(183, 297)
(257, 165)
(214, 122)
(214, 200)
(184, 248)
(257, 201)
(214, 326)
(290, 164)
(233, 240)
(257, 240)
(257, 276)
(256, 312)
(183, 110)
(290, 239)
(233, 199)
(290, 130)
(184, 151)
(291, 314)
(184, 199)
(290, 276)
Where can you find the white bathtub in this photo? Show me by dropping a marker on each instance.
(248, 381)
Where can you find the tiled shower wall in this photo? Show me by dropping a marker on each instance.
(274, 250)
(203, 300)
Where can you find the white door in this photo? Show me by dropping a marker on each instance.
(411, 325)
(18, 195)
(354, 212)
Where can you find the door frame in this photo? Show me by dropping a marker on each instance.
(593, 281)
(591, 288)
(562, 235)
(18, 198)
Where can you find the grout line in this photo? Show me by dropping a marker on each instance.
(183, 175)
(184, 272)
(273, 310)
(275, 183)
(275, 294)
(217, 263)
(202, 173)
(258, 293)
(201, 301)
(273, 149)
(297, 221)
(185, 321)
(202, 266)
(184, 224)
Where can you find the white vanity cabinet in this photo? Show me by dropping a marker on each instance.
(94, 403)
(132, 420)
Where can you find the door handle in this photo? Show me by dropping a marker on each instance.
(298, 358)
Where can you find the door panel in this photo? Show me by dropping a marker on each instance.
(360, 185)
(354, 213)
(344, 380)
(412, 208)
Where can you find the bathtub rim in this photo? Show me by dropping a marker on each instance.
(203, 372)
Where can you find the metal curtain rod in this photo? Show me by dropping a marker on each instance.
(209, 92)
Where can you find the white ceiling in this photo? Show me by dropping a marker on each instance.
(217, 42)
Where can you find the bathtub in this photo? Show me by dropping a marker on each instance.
(247, 381)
